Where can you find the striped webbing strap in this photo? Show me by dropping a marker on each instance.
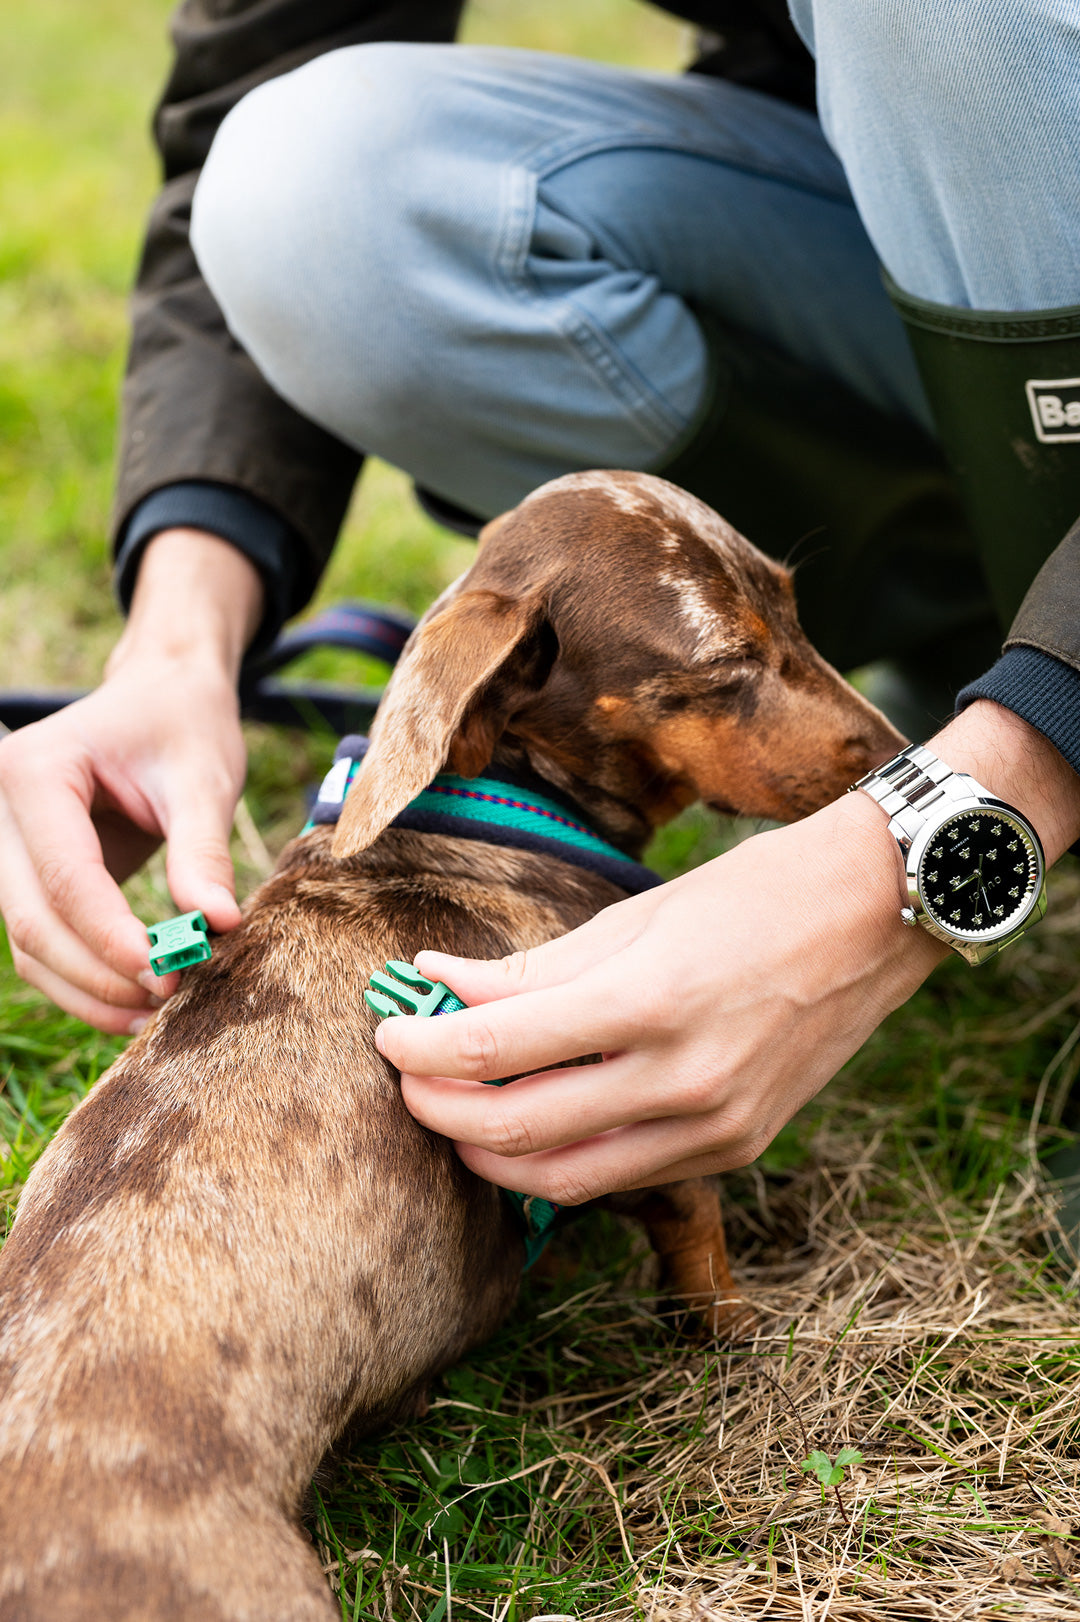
(492, 809)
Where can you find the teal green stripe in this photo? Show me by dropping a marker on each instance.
(507, 816)
(507, 791)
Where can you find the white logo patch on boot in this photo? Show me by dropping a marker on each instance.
(1055, 408)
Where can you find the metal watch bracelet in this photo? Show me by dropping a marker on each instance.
(914, 780)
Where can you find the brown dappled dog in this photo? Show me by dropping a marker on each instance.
(241, 1241)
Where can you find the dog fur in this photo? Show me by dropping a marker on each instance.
(241, 1242)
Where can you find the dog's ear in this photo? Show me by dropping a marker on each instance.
(467, 665)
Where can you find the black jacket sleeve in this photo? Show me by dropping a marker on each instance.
(1038, 674)
(196, 412)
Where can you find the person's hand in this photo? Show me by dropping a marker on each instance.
(721, 1002)
(155, 753)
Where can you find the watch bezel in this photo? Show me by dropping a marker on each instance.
(982, 942)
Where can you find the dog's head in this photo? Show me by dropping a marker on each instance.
(638, 651)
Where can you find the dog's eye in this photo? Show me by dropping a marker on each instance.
(733, 668)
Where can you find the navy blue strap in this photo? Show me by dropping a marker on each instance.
(381, 633)
(358, 627)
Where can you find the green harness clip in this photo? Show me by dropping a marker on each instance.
(176, 943)
(403, 990)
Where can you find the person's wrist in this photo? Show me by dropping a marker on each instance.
(198, 602)
(1014, 761)
(850, 893)
(874, 866)
(864, 864)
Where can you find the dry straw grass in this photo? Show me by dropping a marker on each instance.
(949, 1358)
(945, 1350)
(946, 1357)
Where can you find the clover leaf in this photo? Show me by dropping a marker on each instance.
(828, 1473)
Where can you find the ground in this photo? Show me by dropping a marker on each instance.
(593, 1460)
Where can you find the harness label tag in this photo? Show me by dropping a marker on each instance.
(336, 781)
(1055, 409)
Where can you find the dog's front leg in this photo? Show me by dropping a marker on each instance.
(685, 1225)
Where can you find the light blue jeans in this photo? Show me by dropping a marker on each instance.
(484, 265)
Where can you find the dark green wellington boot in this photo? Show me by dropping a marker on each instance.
(863, 503)
(1005, 393)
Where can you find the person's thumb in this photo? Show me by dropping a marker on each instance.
(198, 865)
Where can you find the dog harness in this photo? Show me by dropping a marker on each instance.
(510, 809)
(506, 810)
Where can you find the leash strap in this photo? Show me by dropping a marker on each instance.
(358, 627)
(381, 633)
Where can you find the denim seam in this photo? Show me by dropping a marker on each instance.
(546, 157)
(656, 420)
(648, 406)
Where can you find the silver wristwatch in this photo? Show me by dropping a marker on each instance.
(976, 876)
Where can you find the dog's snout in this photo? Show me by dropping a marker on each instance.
(857, 748)
(873, 743)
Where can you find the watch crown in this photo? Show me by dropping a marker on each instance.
(908, 917)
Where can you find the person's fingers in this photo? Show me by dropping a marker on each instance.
(637, 1156)
(557, 1107)
(551, 964)
(198, 864)
(37, 935)
(114, 1019)
(603, 1010)
(65, 854)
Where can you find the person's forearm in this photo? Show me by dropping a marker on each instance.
(197, 597)
(1014, 761)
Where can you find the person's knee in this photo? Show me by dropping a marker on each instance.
(299, 218)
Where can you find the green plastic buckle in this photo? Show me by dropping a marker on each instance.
(176, 943)
(403, 990)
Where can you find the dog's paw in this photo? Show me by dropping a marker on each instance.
(726, 1318)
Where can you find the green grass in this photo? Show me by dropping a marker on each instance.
(899, 1184)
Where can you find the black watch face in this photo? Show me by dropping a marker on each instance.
(979, 873)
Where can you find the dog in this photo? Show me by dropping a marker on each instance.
(241, 1242)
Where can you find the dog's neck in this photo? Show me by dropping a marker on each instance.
(625, 798)
(504, 804)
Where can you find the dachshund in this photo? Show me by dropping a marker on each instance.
(241, 1242)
